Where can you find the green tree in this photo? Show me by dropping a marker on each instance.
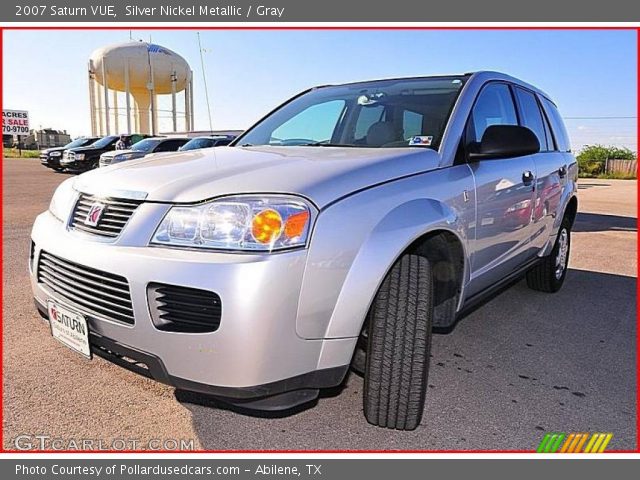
(592, 159)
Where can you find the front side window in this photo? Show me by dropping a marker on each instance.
(381, 114)
(78, 142)
(105, 141)
(145, 145)
(494, 106)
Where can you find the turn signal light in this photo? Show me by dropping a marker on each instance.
(295, 224)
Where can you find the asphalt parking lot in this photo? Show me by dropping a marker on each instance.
(523, 364)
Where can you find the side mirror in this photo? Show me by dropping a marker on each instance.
(506, 141)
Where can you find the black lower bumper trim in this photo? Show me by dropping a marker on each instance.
(278, 395)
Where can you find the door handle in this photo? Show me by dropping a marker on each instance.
(527, 177)
(562, 171)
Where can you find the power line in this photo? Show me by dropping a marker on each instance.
(600, 118)
(204, 78)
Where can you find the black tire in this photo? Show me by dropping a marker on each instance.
(397, 365)
(545, 276)
(359, 360)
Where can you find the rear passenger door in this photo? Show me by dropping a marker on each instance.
(504, 193)
(550, 166)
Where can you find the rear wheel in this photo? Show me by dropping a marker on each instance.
(548, 276)
(397, 358)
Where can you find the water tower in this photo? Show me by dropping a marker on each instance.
(142, 73)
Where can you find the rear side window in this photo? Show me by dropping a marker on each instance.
(494, 106)
(557, 125)
(531, 115)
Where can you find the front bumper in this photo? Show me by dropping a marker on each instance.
(49, 161)
(255, 351)
(76, 165)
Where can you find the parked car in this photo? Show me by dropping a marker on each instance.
(142, 149)
(338, 232)
(197, 143)
(50, 157)
(82, 159)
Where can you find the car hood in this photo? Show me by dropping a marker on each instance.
(47, 151)
(322, 174)
(87, 148)
(113, 153)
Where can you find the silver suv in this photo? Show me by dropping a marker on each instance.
(337, 232)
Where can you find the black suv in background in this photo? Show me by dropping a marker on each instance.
(81, 159)
(50, 157)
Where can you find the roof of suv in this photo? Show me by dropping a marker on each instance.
(486, 74)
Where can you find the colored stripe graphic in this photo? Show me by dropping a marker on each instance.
(556, 442)
(607, 439)
(581, 443)
(571, 439)
(551, 442)
(543, 443)
(591, 442)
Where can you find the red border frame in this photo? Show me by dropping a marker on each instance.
(316, 28)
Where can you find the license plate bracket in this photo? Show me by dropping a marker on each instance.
(69, 327)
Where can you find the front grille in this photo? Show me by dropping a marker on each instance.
(114, 217)
(105, 161)
(94, 292)
(184, 309)
(67, 155)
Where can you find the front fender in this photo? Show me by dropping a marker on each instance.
(356, 241)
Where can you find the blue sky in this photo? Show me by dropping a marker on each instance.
(588, 73)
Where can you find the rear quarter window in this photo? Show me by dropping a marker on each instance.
(557, 125)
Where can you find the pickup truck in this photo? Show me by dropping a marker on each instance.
(338, 232)
(50, 157)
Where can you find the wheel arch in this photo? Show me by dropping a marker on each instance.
(571, 210)
(440, 239)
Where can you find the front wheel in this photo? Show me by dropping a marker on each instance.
(548, 276)
(399, 330)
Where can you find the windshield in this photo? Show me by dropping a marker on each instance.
(105, 141)
(78, 142)
(385, 113)
(196, 143)
(145, 145)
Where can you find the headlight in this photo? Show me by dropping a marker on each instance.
(121, 157)
(238, 223)
(55, 154)
(63, 200)
(79, 156)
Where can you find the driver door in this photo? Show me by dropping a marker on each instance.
(505, 195)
